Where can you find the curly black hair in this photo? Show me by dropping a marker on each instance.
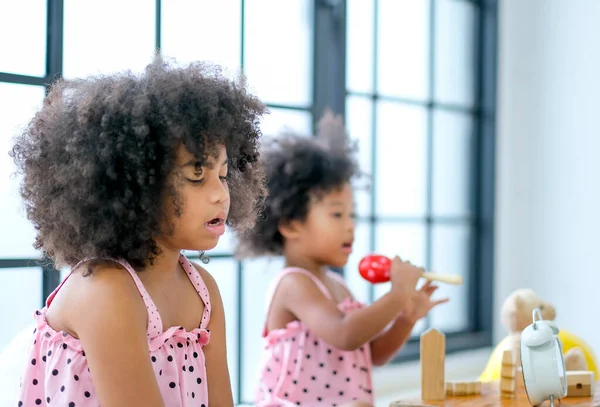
(97, 158)
(298, 168)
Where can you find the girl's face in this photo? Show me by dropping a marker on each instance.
(327, 234)
(203, 202)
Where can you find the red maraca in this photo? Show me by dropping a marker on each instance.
(375, 268)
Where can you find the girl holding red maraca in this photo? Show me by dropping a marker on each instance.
(320, 343)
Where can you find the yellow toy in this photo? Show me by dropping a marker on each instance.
(516, 315)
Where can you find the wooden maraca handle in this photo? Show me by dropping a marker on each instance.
(443, 278)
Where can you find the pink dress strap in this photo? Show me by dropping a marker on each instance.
(196, 279)
(155, 325)
(340, 280)
(154, 322)
(275, 283)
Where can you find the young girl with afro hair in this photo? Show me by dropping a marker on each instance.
(319, 342)
(121, 173)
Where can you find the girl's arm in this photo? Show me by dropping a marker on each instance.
(109, 317)
(385, 346)
(215, 352)
(298, 294)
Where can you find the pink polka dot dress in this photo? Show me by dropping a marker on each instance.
(300, 369)
(57, 372)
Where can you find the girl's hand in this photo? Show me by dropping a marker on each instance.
(422, 303)
(404, 277)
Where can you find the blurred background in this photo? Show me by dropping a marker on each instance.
(475, 120)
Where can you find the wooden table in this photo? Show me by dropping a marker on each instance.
(490, 397)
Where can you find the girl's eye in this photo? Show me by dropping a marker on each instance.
(196, 181)
(224, 179)
(337, 215)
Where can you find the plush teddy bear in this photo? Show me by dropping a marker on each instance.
(516, 315)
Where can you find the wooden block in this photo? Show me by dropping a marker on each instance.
(401, 403)
(474, 388)
(433, 358)
(507, 388)
(508, 395)
(460, 388)
(508, 358)
(519, 383)
(580, 383)
(508, 371)
(507, 385)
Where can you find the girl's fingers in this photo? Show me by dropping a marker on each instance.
(438, 302)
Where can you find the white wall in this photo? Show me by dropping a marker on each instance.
(548, 195)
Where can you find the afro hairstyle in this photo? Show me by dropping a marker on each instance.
(298, 168)
(96, 160)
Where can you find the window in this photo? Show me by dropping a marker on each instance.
(90, 48)
(416, 100)
(414, 79)
(19, 287)
(25, 22)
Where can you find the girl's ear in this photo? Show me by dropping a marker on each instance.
(290, 229)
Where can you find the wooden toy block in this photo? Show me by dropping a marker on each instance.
(433, 359)
(580, 383)
(400, 403)
(459, 389)
(519, 382)
(507, 385)
(463, 388)
(474, 388)
(508, 358)
(508, 371)
(508, 395)
(508, 375)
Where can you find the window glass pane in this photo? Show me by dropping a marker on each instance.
(359, 119)
(257, 276)
(455, 52)
(450, 250)
(359, 45)
(21, 293)
(280, 120)
(401, 168)
(419, 328)
(23, 33)
(361, 248)
(403, 48)
(452, 163)
(225, 245)
(278, 50)
(107, 36)
(18, 104)
(406, 240)
(224, 272)
(64, 273)
(189, 27)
